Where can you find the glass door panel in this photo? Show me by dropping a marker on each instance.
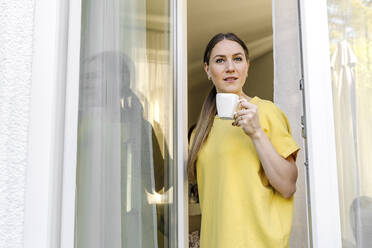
(350, 24)
(125, 159)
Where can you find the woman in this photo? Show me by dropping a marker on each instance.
(245, 168)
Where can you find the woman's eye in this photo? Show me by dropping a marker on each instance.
(219, 60)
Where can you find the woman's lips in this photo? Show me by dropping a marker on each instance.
(230, 79)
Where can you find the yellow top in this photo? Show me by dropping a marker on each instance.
(239, 208)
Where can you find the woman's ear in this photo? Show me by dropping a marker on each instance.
(206, 69)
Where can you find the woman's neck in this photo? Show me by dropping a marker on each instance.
(243, 95)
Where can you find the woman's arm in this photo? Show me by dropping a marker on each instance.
(280, 172)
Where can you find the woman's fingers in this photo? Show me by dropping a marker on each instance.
(243, 103)
(245, 112)
(244, 115)
(241, 121)
(247, 117)
(241, 112)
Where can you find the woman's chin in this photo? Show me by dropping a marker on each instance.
(233, 90)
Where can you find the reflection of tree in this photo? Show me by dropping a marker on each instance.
(367, 3)
(351, 21)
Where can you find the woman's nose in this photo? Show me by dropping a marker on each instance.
(230, 66)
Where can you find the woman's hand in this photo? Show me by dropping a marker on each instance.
(247, 118)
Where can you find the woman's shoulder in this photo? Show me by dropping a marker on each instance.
(265, 105)
(269, 111)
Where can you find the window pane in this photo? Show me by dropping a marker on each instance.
(125, 179)
(350, 25)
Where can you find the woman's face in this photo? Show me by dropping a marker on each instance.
(228, 67)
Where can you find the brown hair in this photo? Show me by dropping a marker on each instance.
(209, 109)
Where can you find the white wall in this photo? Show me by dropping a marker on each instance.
(16, 30)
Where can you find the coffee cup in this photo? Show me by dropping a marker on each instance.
(226, 105)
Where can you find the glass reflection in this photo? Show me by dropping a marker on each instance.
(125, 130)
(350, 22)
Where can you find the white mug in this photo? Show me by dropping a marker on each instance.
(226, 105)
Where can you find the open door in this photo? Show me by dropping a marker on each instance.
(131, 140)
(271, 32)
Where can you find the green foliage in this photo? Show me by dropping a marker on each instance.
(351, 20)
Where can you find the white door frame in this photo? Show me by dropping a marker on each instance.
(180, 32)
(67, 230)
(325, 214)
(46, 126)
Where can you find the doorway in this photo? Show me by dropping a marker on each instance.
(275, 69)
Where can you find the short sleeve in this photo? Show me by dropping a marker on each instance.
(279, 131)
